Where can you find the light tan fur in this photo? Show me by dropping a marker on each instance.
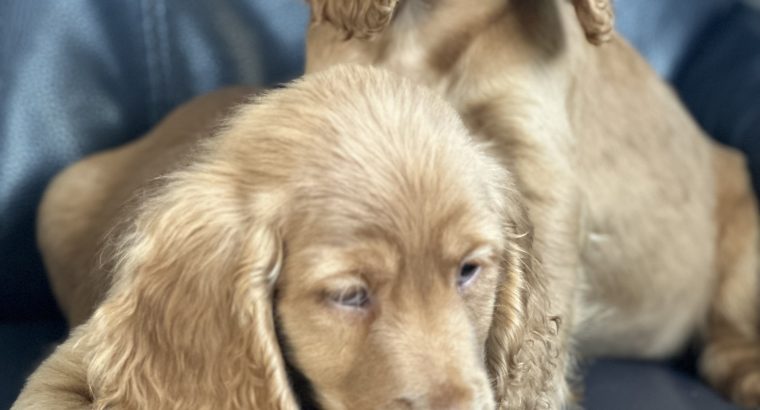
(646, 231)
(223, 258)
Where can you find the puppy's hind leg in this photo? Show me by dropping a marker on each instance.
(731, 358)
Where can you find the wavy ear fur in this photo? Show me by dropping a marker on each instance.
(361, 19)
(523, 342)
(597, 19)
(188, 323)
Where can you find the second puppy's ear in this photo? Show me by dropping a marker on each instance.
(357, 18)
(597, 19)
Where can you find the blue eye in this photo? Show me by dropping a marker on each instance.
(354, 298)
(467, 272)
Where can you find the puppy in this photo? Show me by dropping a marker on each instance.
(346, 226)
(646, 230)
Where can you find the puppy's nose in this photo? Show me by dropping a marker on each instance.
(445, 397)
(451, 397)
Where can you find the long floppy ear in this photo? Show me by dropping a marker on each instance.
(523, 341)
(188, 323)
(597, 19)
(356, 18)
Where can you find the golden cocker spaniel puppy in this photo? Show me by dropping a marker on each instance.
(646, 230)
(346, 227)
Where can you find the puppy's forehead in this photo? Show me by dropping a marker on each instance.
(377, 225)
(332, 248)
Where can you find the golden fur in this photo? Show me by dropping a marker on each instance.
(645, 229)
(226, 258)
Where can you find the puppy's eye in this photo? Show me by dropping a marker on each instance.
(467, 272)
(354, 298)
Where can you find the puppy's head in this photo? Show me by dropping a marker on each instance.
(349, 210)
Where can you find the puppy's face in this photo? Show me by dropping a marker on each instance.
(370, 234)
(383, 319)
(375, 322)
(388, 285)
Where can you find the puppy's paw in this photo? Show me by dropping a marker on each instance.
(733, 368)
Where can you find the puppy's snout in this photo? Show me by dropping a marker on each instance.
(448, 396)
(452, 397)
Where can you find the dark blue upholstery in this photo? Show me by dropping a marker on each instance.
(726, 105)
(23, 344)
(82, 75)
(77, 76)
(634, 385)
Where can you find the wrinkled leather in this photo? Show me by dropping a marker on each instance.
(77, 76)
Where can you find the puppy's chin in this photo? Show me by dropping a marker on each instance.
(302, 387)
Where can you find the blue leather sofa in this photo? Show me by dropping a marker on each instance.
(77, 76)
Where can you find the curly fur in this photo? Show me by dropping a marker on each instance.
(523, 346)
(597, 18)
(362, 19)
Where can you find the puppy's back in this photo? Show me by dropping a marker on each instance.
(83, 204)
